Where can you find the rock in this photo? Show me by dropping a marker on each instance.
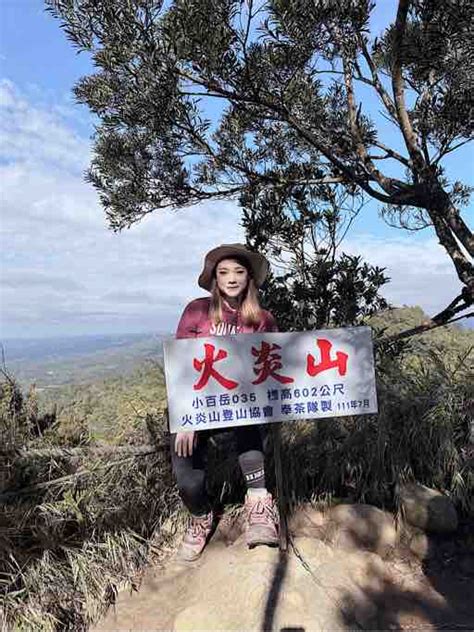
(428, 509)
(312, 587)
(306, 521)
(360, 607)
(420, 545)
(227, 594)
(237, 589)
(361, 526)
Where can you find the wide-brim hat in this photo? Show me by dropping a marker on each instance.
(257, 262)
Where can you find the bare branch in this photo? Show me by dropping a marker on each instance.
(210, 95)
(385, 183)
(463, 267)
(393, 154)
(349, 224)
(372, 157)
(376, 83)
(419, 330)
(445, 317)
(460, 229)
(326, 180)
(449, 150)
(399, 91)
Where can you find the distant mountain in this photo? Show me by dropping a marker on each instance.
(66, 346)
(51, 362)
(54, 362)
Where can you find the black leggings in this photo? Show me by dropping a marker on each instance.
(190, 471)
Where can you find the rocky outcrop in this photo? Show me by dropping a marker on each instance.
(420, 545)
(312, 587)
(356, 527)
(428, 509)
(334, 576)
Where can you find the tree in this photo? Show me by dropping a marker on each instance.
(312, 286)
(211, 99)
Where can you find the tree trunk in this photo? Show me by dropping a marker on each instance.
(453, 234)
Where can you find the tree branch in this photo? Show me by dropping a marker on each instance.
(398, 192)
(198, 196)
(463, 267)
(399, 91)
(419, 330)
(443, 318)
(393, 154)
(325, 180)
(351, 176)
(306, 134)
(385, 183)
(450, 149)
(460, 229)
(376, 83)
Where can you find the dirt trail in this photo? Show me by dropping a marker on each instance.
(315, 586)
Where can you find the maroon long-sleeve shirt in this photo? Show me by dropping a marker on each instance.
(195, 322)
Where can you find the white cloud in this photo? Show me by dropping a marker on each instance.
(31, 134)
(63, 270)
(16, 278)
(128, 297)
(66, 272)
(420, 271)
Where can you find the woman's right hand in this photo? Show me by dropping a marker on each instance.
(185, 442)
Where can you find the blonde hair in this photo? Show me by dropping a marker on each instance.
(250, 309)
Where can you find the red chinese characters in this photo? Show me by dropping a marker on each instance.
(206, 366)
(269, 364)
(326, 363)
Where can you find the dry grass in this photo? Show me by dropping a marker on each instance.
(422, 432)
(68, 547)
(84, 531)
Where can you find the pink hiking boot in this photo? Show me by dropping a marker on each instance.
(195, 538)
(261, 520)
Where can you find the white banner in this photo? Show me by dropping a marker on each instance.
(246, 379)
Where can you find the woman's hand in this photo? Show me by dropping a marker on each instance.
(185, 442)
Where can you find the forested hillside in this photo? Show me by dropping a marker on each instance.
(111, 409)
(451, 341)
(53, 362)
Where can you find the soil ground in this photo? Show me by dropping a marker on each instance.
(314, 586)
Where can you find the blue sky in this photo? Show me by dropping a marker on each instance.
(63, 272)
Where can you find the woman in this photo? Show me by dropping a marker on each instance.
(232, 274)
